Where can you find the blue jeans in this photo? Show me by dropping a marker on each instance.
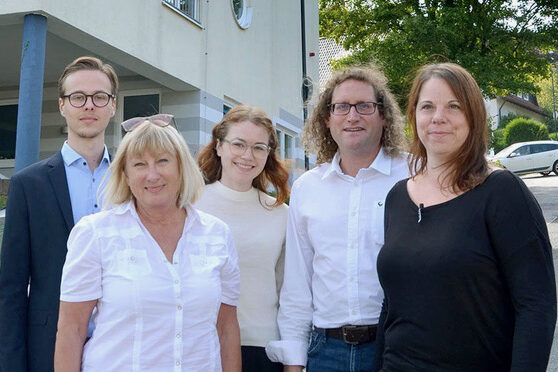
(327, 354)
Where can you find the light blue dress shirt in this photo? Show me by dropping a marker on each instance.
(84, 188)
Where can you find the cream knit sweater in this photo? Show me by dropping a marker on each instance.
(259, 238)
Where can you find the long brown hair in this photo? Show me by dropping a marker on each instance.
(317, 137)
(469, 167)
(274, 171)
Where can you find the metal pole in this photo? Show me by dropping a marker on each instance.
(30, 101)
(305, 88)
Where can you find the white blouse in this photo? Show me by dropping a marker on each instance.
(152, 315)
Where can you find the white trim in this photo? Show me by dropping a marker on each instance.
(7, 163)
(245, 19)
(286, 125)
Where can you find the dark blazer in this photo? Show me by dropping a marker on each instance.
(38, 221)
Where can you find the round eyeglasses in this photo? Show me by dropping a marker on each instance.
(79, 99)
(161, 120)
(363, 108)
(239, 147)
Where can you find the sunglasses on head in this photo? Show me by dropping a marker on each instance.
(161, 120)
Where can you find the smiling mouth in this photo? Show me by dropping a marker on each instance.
(353, 129)
(154, 188)
(244, 166)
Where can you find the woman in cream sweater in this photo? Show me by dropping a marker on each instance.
(238, 165)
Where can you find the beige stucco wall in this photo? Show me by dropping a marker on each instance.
(260, 65)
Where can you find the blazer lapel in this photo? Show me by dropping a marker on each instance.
(57, 176)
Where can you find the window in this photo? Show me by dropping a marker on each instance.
(226, 108)
(242, 13)
(286, 144)
(523, 150)
(190, 8)
(8, 129)
(139, 105)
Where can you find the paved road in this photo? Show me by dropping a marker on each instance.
(545, 190)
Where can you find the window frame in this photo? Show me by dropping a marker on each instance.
(9, 163)
(119, 115)
(194, 18)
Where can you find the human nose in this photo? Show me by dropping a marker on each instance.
(439, 115)
(152, 173)
(248, 152)
(353, 114)
(89, 103)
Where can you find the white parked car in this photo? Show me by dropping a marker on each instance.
(529, 157)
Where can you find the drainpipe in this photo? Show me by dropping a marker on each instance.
(304, 87)
(30, 100)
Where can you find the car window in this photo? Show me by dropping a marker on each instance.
(520, 151)
(550, 147)
(537, 148)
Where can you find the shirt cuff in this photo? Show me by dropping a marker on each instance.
(288, 352)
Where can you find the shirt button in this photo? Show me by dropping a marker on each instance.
(93, 179)
(178, 362)
(380, 203)
(179, 307)
(96, 206)
(178, 335)
(132, 258)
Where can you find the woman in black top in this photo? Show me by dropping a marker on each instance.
(467, 263)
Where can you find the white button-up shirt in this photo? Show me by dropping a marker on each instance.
(335, 230)
(152, 314)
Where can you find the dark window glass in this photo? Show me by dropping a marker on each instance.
(8, 127)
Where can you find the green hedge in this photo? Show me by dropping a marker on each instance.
(522, 130)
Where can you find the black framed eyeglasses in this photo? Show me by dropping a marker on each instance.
(79, 99)
(162, 120)
(363, 108)
(238, 147)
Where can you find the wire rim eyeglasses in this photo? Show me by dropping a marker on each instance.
(239, 148)
(161, 120)
(79, 99)
(363, 108)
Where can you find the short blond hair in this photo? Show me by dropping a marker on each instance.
(154, 139)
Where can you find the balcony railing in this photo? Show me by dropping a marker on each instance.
(189, 8)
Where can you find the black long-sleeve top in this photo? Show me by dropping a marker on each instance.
(471, 286)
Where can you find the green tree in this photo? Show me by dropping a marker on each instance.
(500, 42)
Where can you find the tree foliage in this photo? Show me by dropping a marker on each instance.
(500, 42)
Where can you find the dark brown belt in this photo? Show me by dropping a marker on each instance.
(352, 334)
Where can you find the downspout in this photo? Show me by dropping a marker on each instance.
(304, 87)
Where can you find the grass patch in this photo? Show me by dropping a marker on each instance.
(3, 201)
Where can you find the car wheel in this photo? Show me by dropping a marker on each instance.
(555, 167)
(544, 173)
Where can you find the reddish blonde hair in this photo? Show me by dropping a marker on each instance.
(274, 171)
(469, 167)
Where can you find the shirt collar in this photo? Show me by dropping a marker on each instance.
(382, 164)
(70, 155)
(192, 214)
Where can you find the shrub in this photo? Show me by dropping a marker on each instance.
(553, 136)
(497, 140)
(505, 120)
(521, 130)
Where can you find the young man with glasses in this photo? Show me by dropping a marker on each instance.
(331, 298)
(45, 200)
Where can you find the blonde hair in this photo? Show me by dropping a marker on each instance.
(316, 136)
(154, 139)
